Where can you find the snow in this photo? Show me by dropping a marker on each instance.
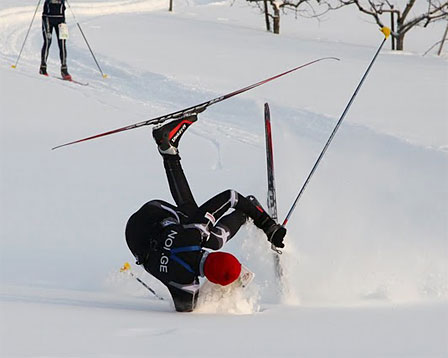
(366, 269)
(56, 326)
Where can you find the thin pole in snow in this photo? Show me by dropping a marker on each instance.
(386, 32)
(85, 39)
(26, 37)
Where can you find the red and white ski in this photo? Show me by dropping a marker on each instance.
(73, 81)
(271, 197)
(194, 109)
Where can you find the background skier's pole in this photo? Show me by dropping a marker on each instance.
(26, 37)
(386, 32)
(127, 268)
(85, 39)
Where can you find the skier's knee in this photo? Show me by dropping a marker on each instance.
(219, 235)
(232, 195)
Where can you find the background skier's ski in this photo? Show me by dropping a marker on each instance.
(74, 81)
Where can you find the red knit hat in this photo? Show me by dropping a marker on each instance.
(222, 268)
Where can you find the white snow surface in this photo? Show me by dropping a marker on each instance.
(366, 261)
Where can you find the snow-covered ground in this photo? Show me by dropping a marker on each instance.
(366, 263)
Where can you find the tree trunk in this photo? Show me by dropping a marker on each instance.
(392, 26)
(276, 19)
(171, 6)
(266, 15)
(400, 42)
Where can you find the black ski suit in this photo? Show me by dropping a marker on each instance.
(169, 240)
(53, 14)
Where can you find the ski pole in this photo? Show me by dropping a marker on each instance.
(127, 268)
(85, 39)
(26, 37)
(386, 31)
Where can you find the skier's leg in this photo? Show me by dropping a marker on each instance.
(177, 181)
(167, 138)
(62, 49)
(46, 32)
(210, 212)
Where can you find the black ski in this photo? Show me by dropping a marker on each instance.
(194, 109)
(271, 197)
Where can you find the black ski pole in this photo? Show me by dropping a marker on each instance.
(85, 39)
(26, 37)
(127, 268)
(386, 32)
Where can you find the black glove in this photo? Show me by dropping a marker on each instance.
(275, 235)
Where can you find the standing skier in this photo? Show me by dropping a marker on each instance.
(53, 17)
(170, 241)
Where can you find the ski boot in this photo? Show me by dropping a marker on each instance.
(274, 232)
(43, 70)
(168, 135)
(65, 75)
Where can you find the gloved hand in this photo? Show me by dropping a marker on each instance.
(275, 234)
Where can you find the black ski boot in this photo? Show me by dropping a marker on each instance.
(274, 232)
(168, 135)
(65, 75)
(43, 70)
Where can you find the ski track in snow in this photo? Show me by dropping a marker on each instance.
(138, 87)
(156, 93)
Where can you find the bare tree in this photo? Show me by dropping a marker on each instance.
(305, 8)
(402, 20)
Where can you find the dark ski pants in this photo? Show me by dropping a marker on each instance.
(212, 213)
(48, 24)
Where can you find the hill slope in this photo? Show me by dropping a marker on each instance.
(366, 268)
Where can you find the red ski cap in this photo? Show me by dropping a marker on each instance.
(222, 268)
